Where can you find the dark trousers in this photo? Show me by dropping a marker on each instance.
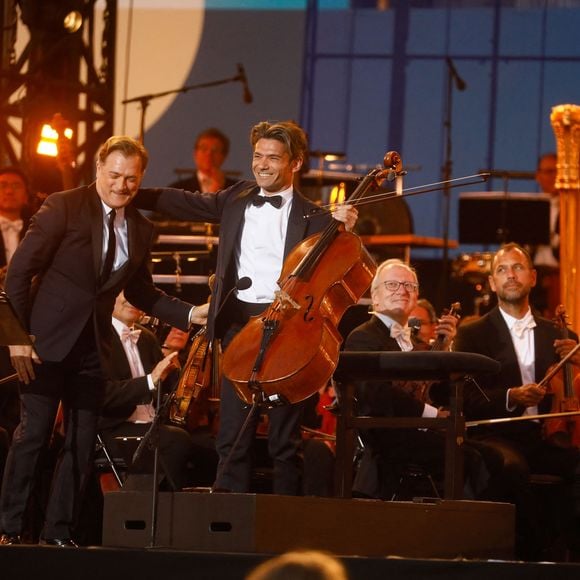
(76, 381)
(284, 441)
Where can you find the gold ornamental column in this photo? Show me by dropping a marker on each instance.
(565, 121)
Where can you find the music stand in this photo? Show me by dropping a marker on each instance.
(387, 366)
(497, 218)
(11, 330)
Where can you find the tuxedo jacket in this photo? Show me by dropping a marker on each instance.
(62, 253)
(123, 392)
(490, 336)
(380, 398)
(227, 208)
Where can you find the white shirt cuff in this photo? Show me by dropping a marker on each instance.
(507, 402)
(150, 382)
(429, 412)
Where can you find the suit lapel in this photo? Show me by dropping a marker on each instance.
(296, 223)
(505, 347)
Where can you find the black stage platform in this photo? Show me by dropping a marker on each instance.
(28, 562)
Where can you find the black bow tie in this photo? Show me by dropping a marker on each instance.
(275, 200)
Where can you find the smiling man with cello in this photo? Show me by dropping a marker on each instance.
(526, 345)
(260, 222)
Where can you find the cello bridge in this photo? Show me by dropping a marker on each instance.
(286, 301)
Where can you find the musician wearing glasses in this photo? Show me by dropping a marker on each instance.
(525, 345)
(394, 294)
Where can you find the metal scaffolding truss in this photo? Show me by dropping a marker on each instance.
(56, 71)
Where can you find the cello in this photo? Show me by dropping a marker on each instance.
(564, 389)
(291, 350)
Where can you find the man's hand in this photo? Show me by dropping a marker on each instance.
(199, 314)
(526, 395)
(347, 214)
(163, 367)
(22, 357)
(564, 346)
(447, 327)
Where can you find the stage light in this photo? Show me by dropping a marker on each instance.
(338, 193)
(73, 21)
(52, 17)
(48, 144)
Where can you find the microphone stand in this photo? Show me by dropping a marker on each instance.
(151, 438)
(447, 170)
(144, 100)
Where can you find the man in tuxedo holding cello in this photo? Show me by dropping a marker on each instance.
(260, 222)
(525, 345)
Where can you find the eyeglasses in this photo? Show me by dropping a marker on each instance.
(394, 285)
(14, 185)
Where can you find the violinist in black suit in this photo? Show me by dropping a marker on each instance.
(82, 248)
(260, 222)
(394, 295)
(138, 368)
(525, 345)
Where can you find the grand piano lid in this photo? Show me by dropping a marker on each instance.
(414, 365)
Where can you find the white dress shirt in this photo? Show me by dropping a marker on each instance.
(261, 254)
(522, 335)
(10, 230)
(122, 240)
(143, 413)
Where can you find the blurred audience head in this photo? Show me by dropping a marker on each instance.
(308, 565)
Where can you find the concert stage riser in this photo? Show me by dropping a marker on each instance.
(270, 524)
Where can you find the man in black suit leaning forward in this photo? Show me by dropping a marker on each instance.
(82, 248)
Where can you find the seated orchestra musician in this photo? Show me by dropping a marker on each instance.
(138, 367)
(394, 294)
(423, 321)
(525, 345)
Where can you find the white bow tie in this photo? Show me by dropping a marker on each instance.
(15, 226)
(398, 331)
(520, 326)
(132, 335)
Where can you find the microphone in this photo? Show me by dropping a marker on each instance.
(242, 284)
(459, 82)
(248, 98)
(415, 325)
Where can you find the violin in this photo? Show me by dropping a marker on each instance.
(196, 398)
(420, 389)
(564, 389)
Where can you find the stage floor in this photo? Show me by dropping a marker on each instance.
(18, 562)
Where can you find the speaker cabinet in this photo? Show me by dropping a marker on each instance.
(249, 523)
